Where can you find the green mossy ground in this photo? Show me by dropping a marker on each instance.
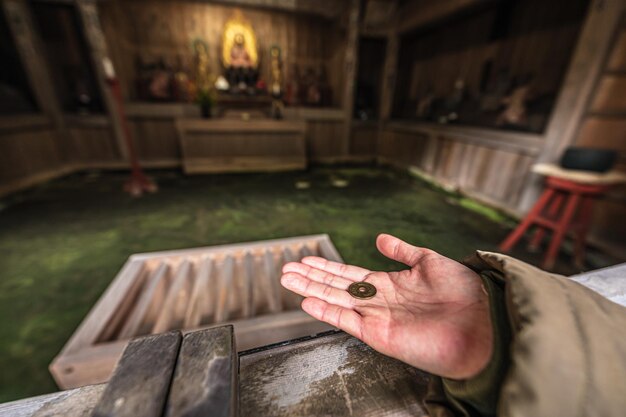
(62, 243)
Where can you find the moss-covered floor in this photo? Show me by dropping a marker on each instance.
(63, 242)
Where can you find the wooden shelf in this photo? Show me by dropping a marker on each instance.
(530, 143)
(24, 122)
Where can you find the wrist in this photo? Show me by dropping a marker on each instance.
(481, 390)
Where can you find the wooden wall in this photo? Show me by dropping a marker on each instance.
(30, 152)
(537, 40)
(604, 126)
(153, 29)
(490, 166)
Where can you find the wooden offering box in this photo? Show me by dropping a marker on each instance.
(188, 290)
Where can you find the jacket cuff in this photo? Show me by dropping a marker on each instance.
(479, 395)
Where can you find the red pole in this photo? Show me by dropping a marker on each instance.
(138, 182)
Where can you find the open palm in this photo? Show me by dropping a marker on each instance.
(434, 316)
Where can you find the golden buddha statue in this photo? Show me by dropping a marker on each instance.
(239, 52)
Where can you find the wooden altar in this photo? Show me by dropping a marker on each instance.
(227, 145)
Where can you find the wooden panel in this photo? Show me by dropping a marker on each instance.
(617, 60)
(92, 144)
(155, 138)
(364, 139)
(78, 402)
(24, 153)
(142, 379)
(464, 160)
(225, 146)
(603, 133)
(191, 289)
(206, 377)
(610, 96)
(324, 139)
(334, 375)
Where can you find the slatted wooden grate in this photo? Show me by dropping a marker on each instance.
(188, 290)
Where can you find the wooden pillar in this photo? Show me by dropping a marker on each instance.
(585, 67)
(350, 73)
(88, 12)
(32, 57)
(389, 76)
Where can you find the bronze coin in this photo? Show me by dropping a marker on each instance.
(362, 290)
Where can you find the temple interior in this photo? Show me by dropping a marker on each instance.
(134, 126)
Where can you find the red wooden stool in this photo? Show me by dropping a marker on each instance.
(565, 206)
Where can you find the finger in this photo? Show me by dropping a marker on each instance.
(398, 250)
(347, 320)
(317, 275)
(308, 288)
(351, 272)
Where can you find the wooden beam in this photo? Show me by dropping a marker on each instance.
(330, 375)
(350, 72)
(585, 68)
(141, 380)
(205, 381)
(96, 43)
(389, 75)
(329, 9)
(415, 14)
(32, 56)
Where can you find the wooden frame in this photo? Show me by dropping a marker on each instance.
(188, 290)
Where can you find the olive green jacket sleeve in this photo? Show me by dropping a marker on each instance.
(560, 349)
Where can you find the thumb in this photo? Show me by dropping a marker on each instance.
(399, 250)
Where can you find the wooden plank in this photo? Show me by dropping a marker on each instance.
(528, 143)
(271, 274)
(210, 165)
(125, 307)
(331, 375)
(89, 330)
(220, 125)
(94, 364)
(413, 15)
(78, 402)
(291, 300)
(222, 307)
(142, 378)
(610, 96)
(90, 365)
(153, 292)
(328, 250)
(248, 288)
(350, 73)
(305, 251)
(232, 248)
(200, 308)
(173, 311)
(205, 381)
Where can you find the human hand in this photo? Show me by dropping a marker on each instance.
(433, 316)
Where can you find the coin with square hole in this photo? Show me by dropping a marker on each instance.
(362, 290)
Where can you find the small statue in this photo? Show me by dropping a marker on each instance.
(292, 93)
(311, 90)
(425, 104)
(276, 64)
(515, 112)
(239, 53)
(239, 57)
